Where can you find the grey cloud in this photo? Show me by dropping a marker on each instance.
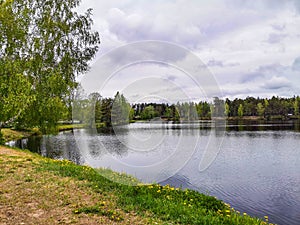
(144, 51)
(233, 64)
(276, 83)
(275, 38)
(171, 77)
(134, 27)
(296, 64)
(278, 27)
(213, 63)
(265, 4)
(248, 77)
(219, 63)
(194, 29)
(271, 68)
(235, 92)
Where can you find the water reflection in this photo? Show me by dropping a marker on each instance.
(257, 170)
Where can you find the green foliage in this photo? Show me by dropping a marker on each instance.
(15, 95)
(296, 107)
(227, 109)
(203, 110)
(187, 111)
(260, 109)
(106, 106)
(148, 113)
(120, 112)
(1, 138)
(218, 107)
(95, 110)
(240, 110)
(45, 44)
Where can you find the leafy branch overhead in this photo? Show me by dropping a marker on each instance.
(44, 46)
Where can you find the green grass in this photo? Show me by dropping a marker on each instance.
(63, 127)
(166, 203)
(11, 134)
(115, 201)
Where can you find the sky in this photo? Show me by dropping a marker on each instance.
(250, 48)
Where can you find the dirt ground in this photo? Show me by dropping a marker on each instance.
(28, 197)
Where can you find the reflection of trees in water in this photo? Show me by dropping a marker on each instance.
(62, 146)
(261, 125)
(32, 143)
(106, 141)
(108, 145)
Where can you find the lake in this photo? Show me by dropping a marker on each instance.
(255, 167)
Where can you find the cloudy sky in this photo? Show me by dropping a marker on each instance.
(251, 48)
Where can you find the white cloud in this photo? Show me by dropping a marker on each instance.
(276, 83)
(250, 46)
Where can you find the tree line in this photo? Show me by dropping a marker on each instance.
(117, 110)
(263, 107)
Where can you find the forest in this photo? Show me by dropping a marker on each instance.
(117, 110)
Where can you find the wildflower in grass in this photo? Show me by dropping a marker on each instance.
(103, 203)
(245, 214)
(266, 218)
(228, 205)
(228, 211)
(158, 191)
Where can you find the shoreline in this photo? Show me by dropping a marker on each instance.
(26, 176)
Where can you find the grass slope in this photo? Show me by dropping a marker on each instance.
(37, 190)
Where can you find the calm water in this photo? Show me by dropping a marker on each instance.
(256, 170)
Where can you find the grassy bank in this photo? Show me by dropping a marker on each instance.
(36, 190)
(11, 134)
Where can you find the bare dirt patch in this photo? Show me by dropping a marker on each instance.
(31, 197)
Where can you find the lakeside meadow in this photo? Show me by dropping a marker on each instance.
(38, 190)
